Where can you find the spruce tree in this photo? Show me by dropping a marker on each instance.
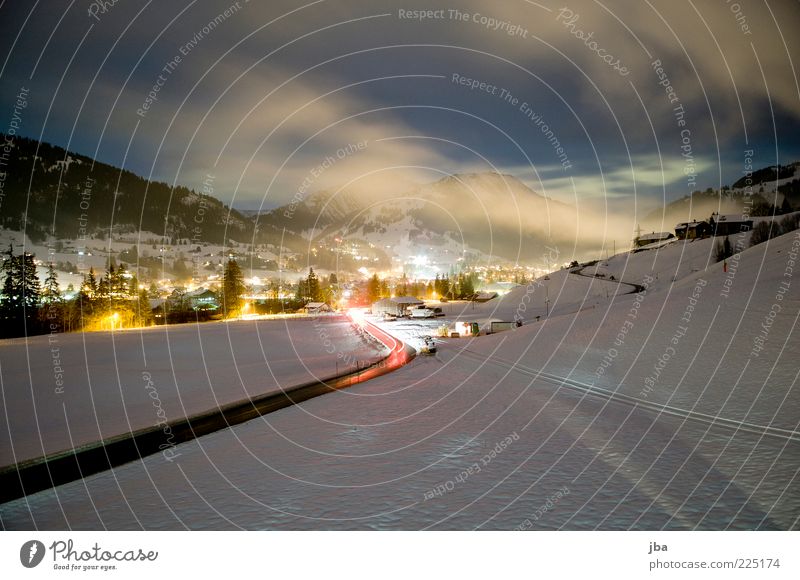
(89, 286)
(467, 286)
(21, 294)
(50, 291)
(233, 289)
(52, 313)
(373, 289)
(8, 304)
(313, 288)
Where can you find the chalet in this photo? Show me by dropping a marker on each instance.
(202, 299)
(692, 230)
(484, 296)
(652, 238)
(726, 225)
(397, 306)
(316, 308)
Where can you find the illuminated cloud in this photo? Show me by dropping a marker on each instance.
(262, 96)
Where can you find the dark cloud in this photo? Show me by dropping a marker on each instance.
(265, 92)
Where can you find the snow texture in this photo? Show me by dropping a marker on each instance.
(113, 383)
(504, 431)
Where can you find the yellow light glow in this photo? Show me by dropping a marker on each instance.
(356, 314)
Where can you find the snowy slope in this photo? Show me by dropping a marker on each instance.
(473, 438)
(69, 389)
(697, 343)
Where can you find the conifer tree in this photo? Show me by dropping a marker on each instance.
(233, 289)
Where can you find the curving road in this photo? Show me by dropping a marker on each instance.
(636, 287)
(57, 469)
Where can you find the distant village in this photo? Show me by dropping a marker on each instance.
(34, 300)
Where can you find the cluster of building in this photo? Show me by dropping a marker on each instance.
(198, 299)
(716, 225)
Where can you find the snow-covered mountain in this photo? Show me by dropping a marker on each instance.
(475, 216)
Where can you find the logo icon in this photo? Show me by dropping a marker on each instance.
(31, 553)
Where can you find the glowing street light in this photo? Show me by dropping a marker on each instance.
(113, 320)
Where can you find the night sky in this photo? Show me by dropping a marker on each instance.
(614, 101)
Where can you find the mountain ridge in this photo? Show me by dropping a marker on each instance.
(461, 217)
(50, 191)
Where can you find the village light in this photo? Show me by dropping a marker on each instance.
(356, 314)
(113, 320)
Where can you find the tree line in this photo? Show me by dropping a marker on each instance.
(762, 232)
(109, 301)
(460, 287)
(29, 307)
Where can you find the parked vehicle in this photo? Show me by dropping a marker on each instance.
(498, 326)
(422, 312)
